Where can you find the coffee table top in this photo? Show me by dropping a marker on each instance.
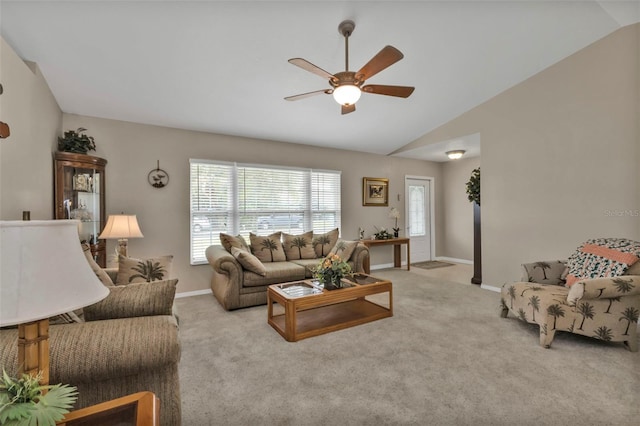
(311, 287)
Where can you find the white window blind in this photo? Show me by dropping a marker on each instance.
(242, 198)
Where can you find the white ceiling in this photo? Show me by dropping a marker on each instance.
(222, 67)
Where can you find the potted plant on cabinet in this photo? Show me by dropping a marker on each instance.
(76, 141)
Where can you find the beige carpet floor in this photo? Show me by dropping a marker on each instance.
(444, 358)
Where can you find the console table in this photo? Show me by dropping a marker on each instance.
(397, 258)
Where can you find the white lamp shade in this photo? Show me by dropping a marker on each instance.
(121, 226)
(44, 271)
(347, 94)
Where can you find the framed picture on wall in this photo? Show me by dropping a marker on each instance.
(375, 191)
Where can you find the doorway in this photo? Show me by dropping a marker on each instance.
(419, 219)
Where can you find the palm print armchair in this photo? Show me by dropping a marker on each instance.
(602, 301)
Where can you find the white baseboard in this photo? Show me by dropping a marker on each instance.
(453, 259)
(383, 266)
(193, 293)
(490, 287)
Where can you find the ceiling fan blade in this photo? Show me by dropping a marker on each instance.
(346, 109)
(308, 94)
(388, 56)
(380, 89)
(306, 65)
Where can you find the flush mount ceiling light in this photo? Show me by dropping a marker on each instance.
(455, 154)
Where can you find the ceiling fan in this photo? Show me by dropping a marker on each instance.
(347, 86)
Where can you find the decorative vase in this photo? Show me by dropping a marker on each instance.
(396, 234)
(333, 284)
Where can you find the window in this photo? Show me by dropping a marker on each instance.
(242, 198)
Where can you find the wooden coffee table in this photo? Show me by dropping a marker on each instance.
(309, 310)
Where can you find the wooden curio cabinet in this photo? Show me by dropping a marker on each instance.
(79, 194)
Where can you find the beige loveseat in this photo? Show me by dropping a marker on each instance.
(605, 308)
(237, 287)
(129, 343)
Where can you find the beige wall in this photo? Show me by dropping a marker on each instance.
(458, 218)
(33, 115)
(560, 155)
(132, 150)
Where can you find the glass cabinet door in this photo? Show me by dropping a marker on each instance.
(79, 195)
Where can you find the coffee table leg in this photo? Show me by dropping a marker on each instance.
(290, 321)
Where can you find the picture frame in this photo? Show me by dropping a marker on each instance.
(375, 192)
(82, 182)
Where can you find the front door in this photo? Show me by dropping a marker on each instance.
(418, 192)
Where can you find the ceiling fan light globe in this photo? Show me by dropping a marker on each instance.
(347, 94)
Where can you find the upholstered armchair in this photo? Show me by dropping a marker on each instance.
(605, 308)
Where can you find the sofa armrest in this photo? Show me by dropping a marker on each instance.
(222, 261)
(544, 272)
(134, 300)
(360, 253)
(604, 288)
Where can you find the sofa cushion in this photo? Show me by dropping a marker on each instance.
(602, 257)
(229, 241)
(276, 272)
(248, 261)
(309, 265)
(132, 270)
(322, 243)
(344, 248)
(298, 246)
(267, 249)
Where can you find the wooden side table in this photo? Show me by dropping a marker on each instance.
(138, 409)
(397, 257)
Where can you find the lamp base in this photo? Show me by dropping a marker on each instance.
(33, 349)
(121, 249)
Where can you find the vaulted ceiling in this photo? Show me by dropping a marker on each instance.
(222, 67)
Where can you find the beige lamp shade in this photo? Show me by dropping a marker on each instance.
(121, 226)
(44, 271)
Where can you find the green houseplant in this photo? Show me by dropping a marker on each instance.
(473, 186)
(25, 401)
(76, 141)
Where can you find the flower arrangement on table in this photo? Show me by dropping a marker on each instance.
(331, 270)
(382, 234)
(395, 214)
(25, 401)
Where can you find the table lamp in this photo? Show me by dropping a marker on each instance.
(44, 273)
(122, 227)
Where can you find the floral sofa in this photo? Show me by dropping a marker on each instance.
(595, 293)
(242, 272)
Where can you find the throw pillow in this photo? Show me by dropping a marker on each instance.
(322, 243)
(602, 257)
(546, 272)
(267, 249)
(249, 261)
(344, 248)
(229, 241)
(132, 270)
(298, 246)
(135, 300)
(100, 273)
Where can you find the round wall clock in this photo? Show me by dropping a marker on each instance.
(158, 178)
